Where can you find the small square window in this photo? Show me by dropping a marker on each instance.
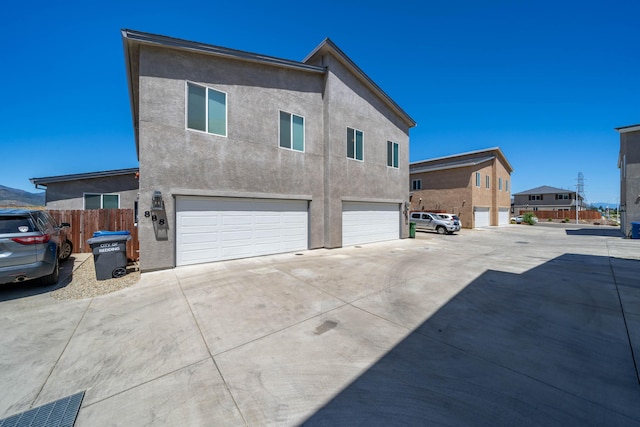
(416, 184)
(101, 201)
(206, 109)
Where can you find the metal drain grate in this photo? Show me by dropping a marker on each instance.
(59, 413)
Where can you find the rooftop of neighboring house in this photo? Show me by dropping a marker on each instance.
(88, 175)
(461, 160)
(544, 189)
(630, 128)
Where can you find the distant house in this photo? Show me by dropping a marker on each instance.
(473, 185)
(546, 198)
(113, 189)
(629, 165)
(244, 154)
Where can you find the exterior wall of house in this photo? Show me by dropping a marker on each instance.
(549, 202)
(629, 179)
(348, 103)
(248, 162)
(70, 194)
(454, 190)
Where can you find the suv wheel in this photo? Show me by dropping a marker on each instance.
(66, 248)
(441, 230)
(52, 278)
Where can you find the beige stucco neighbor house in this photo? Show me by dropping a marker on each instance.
(112, 189)
(243, 154)
(473, 185)
(629, 165)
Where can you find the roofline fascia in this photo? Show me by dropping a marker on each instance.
(88, 175)
(362, 76)
(625, 129)
(494, 149)
(436, 168)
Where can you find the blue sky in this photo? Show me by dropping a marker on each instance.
(546, 81)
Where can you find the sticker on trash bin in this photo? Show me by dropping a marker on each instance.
(108, 247)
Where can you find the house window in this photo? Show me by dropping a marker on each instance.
(392, 154)
(416, 184)
(101, 201)
(535, 197)
(477, 179)
(354, 144)
(291, 131)
(506, 185)
(564, 196)
(499, 183)
(486, 184)
(206, 109)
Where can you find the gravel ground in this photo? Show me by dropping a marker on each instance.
(83, 283)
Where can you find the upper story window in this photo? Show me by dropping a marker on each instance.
(564, 196)
(392, 154)
(291, 131)
(506, 185)
(499, 183)
(206, 109)
(416, 184)
(101, 201)
(477, 179)
(486, 181)
(354, 144)
(535, 196)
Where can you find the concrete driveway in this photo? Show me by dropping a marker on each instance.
(516, 325)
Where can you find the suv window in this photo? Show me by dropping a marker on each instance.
(12, 224)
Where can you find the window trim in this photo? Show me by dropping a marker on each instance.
(206, 105)
(355, 144)
(395, 154)
(84, 200)
(304, 131)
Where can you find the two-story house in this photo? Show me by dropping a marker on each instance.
(629, 165)
(546, 198)
(243, 154)
(472, 185)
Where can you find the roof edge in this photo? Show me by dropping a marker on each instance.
(87, 175)
(630, 128)
(468, 153)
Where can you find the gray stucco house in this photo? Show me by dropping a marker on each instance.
(243, 154)
(113, 189)
(629, 165)
(547, 198)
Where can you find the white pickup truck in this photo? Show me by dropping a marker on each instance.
(432, 221)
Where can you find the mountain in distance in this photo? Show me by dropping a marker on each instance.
(13, 197)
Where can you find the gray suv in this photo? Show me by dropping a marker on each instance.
(32, 245)
(431, 221)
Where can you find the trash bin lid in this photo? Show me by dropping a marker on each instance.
(109, 239)
(111, 233)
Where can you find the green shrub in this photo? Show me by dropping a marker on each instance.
(528, 218)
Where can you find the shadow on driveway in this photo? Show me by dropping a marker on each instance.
(550, 346)
(11, 291)
(608, 232)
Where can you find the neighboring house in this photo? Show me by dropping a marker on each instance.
(243, 154)
(473, 185)
(547, 198)
(114, 189)
(629, 165)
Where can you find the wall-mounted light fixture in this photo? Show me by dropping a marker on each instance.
(156, 201)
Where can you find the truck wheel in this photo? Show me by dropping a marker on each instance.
(441, 230)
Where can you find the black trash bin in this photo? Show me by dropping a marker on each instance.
(109, 253)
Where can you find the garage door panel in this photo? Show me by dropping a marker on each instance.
(221, 228)
(482, 217)
(369, 222)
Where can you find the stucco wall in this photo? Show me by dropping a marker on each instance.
(248, 162)
(630, 184)
(70, 194)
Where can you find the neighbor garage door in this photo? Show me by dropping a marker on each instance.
(213, 229)
(369, 222)
(503, 216)
(482, 217)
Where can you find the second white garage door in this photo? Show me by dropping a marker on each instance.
(503, 216)
(369, 222)
(482, 217)
(214, 229)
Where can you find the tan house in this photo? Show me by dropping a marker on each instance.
(473, 185)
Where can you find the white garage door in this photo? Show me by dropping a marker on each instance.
(213, 229)
(482, 217)
(369, 222)
(503, 216)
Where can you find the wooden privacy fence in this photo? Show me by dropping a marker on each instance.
(566, 214)
(85, 222)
